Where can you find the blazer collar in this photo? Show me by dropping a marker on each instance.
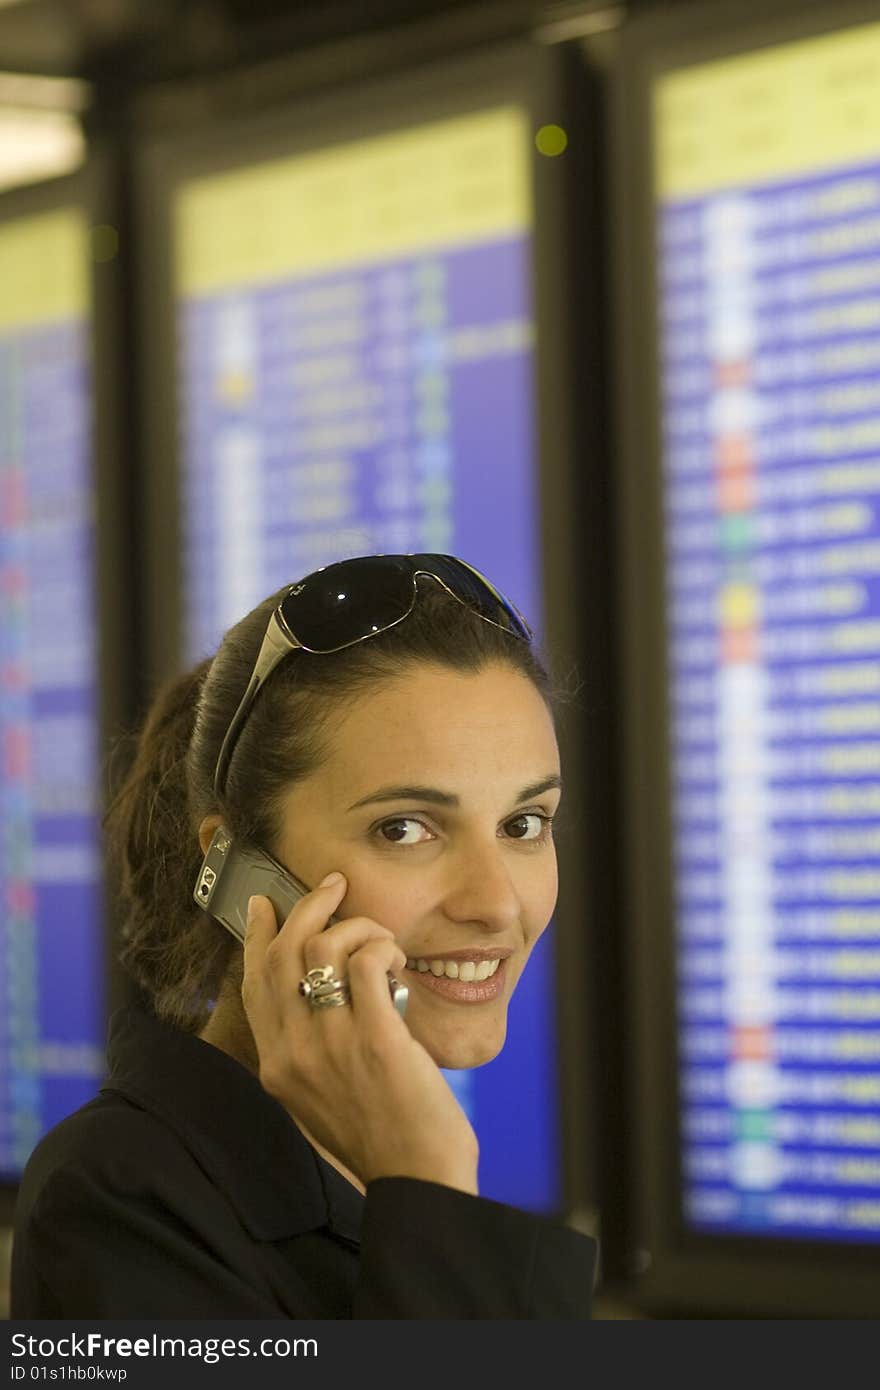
(243, 1138)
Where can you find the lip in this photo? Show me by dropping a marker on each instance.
(476, 954)
(462, 991)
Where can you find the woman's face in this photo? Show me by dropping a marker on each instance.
(435, 804)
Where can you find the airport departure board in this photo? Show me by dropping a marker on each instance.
(51, 952)
(354, 332)
(767, 189)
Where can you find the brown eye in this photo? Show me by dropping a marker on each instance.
(544, 827)
(395, 825)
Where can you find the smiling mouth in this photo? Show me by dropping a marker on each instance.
(464, 988)
(466, 970)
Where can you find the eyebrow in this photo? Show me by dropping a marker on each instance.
(440, 798)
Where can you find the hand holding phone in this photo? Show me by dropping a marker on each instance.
(231, 873)
(355, 1079)
(359, 1082)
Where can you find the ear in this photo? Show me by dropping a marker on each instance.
(206, 830)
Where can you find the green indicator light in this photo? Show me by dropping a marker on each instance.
(551, 140)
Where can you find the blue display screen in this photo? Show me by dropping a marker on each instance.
(769, 270)
(52, 1027)
(370, 390)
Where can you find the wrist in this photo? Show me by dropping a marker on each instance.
(461, 1177)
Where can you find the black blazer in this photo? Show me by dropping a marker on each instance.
(183, 1190)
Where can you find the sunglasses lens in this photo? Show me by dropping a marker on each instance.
(346, 601)
(476, 590)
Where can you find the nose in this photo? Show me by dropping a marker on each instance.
(481, 891)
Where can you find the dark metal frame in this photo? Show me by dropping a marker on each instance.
(669, 1270)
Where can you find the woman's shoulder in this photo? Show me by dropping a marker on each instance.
(116, 1216)
(109, 1144)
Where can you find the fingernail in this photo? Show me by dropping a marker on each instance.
(335, 877)
(253, 907)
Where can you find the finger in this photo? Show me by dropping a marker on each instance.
(310, 914)
(260, 931)
(368, 971)
(337, 943)
(308, 917)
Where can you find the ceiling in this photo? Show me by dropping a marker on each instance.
(127, 43)
(160, 38)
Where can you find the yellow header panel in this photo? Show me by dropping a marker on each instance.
(44, 268)
(793, 109)
(441, 184)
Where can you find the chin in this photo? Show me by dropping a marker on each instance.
(461, 1053)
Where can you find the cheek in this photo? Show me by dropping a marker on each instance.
(395, 907)
(538, 898)
(539, 920)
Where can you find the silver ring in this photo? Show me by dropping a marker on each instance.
(332, 998)
(312, 979)
(321, 990)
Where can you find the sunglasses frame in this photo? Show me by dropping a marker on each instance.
(280, 640)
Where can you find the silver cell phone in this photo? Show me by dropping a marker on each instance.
(231, 873)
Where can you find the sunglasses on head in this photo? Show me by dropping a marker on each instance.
(353, 600)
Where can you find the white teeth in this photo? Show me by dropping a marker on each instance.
(453, 969)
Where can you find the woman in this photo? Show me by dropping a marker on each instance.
(384, 730)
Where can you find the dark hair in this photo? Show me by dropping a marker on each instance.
(178, 955)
